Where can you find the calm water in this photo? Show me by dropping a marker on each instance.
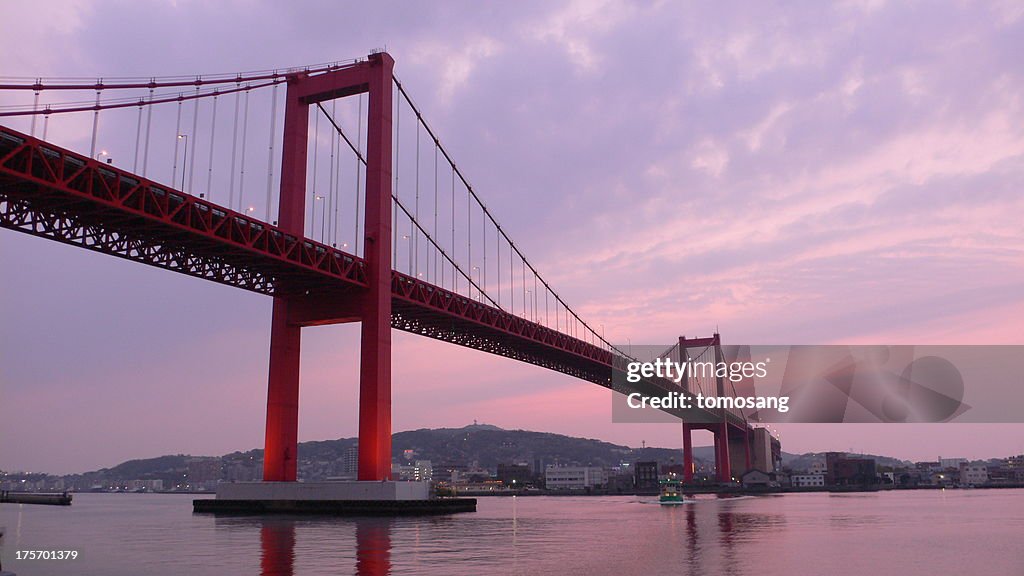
(923, 532)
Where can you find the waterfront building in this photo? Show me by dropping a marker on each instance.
(518, 475)
(574, 477)
(973, 473)
(645, 475)
(417, 471)
(807, 480)
(349, 465)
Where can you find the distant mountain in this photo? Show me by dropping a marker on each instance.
(484, 445)
(481, 444)
(149, 467)
(489, 446)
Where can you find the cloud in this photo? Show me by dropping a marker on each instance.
(576, 28)
(457, 62)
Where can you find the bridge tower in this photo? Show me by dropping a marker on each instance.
(372, 307)
(732, 443)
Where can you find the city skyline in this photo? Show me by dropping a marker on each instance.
(781, 184)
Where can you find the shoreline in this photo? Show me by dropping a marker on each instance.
(687, 490)
(738, 491)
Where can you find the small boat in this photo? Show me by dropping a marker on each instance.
(670, 494)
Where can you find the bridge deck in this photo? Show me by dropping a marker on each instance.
(54, 193)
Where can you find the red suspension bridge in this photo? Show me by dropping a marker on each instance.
(373, 224)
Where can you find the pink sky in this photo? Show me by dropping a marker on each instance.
(845, 173)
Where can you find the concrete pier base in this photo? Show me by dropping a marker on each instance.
(344, 490)
(331, 498)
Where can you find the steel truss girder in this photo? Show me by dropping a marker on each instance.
(22, 216)
(46, 179)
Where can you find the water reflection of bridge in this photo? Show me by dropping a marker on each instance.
(716, 532)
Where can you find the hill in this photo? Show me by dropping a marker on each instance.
(481, 445)
(491, 446)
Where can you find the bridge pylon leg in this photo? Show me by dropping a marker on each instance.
(282, 439)
(687, 454)
(280, 456)
(722, 463)
(746, 445)
(375, 359)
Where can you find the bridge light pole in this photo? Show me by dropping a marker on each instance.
(323, 216)
(184, 161)
(480, 297)
(408, 245)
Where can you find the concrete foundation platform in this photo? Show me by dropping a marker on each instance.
(342, 490)
(331, 498)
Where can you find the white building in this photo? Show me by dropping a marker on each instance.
(951, 462)
(419, 471)
(574, 477)
(350, 462)
(807, 480)
(973, 474)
